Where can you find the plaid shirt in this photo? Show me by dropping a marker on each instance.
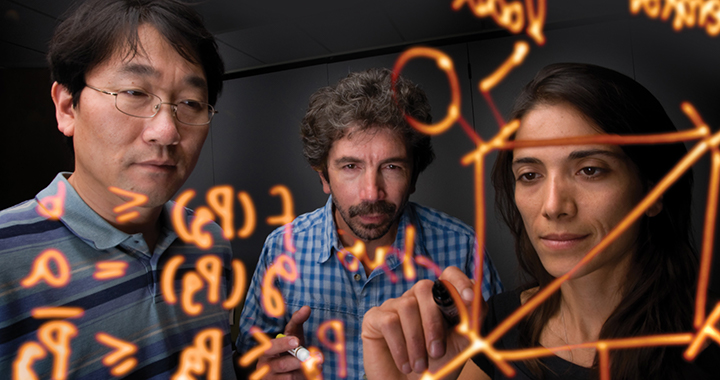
(336, 293)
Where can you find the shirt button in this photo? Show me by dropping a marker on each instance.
(358, 277)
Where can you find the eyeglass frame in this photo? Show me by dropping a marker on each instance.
(174, 106)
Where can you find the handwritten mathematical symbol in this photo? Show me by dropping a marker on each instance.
(272, 301)
(204, 356)
(256, 352)
(41, 270)
(121, 350)
(53, 206)
(55, 336)
(105, 270)
(57, 312)
(136, 200)
(337, 344)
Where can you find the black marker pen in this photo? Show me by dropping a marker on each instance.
(445, 303)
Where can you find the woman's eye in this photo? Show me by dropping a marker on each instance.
(527, 177)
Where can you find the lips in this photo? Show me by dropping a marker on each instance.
(158, 165)
(563, 240)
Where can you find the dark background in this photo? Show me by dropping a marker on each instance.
(276, 57)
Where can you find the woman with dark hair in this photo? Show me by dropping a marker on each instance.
(560, 202)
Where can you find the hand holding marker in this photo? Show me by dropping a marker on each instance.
(445, 303)
(300, 352)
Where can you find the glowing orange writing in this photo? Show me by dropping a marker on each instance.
(168, 277)
(517, 57)
(53, 206)
(311, 367)
(240, 278)
(706, 13)
(105, 270)
(202, 239)
(121, 350)
(136, 200)
(203, 357)
(288, 213)
(336, 345)
(272, 301)
(250, 215)
(408, 268)
(510, 15)
(256, 352)
(55, 336)
(57, 312)
(445, 64)
(41, 270)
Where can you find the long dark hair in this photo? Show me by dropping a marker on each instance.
(658, 298)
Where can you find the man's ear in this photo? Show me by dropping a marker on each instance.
(325, 183)
(64, 110)
(655, 208)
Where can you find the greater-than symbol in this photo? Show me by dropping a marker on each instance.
(122, 350)
(135, 201)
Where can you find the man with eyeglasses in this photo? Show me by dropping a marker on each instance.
(83, 275)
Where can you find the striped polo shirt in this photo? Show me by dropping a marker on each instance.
(127, 325)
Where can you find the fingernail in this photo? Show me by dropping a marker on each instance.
(294, 343)
(420, 365)
(406, 368)
(437, 349)
(467, 294)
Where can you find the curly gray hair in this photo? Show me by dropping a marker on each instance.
(366, 100)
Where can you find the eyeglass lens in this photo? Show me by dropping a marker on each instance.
(137, 103)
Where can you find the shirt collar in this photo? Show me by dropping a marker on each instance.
(90, 227)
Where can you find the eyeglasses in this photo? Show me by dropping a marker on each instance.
(142, 104)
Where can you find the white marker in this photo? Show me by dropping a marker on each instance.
(300, 352)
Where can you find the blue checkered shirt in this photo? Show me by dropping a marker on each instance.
(336, 293)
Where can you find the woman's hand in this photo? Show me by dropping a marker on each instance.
(408, 335)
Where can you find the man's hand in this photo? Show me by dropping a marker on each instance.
(283, 365)
(408, 335)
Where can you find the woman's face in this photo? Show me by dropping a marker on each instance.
(570, 197)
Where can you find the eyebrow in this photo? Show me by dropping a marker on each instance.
(149, 71)
(350, 159)
(575, 155)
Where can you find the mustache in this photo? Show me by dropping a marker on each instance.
(367, 208)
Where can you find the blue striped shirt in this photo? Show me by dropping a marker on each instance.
(335, 293)
(130, 307)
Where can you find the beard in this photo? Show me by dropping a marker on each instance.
(371, 231)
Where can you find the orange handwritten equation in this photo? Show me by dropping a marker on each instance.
(55, 336)
(220, 204)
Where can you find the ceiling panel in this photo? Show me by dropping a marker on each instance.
(355, 29)
(274, 43)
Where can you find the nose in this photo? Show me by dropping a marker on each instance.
(372, 187)
(559, 201)
(162, 128)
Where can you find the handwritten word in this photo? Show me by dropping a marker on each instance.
(122, 349)
(136, 200)
(706, 13)
(221, 205)
(336, 345)
(272, 301)
(210, 269)
(41, 270)
(53, 206)
(203, 357)
(55, 336)
(510, 15)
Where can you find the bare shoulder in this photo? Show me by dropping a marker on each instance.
(472, 372)
(527, 294)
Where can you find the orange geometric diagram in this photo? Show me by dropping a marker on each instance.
(53, 206)
(41, 270)
(337, 344)
(57, 312)
(203, 357)
(136, 200)
(55, 336)
(122, 349)
(272, 301)
(105, 270)
(478, 344)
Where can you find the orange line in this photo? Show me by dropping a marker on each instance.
(57, 312)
